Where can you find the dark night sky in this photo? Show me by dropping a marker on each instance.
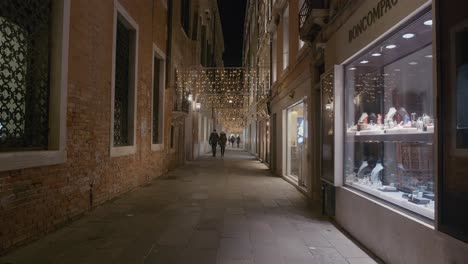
(232, 14)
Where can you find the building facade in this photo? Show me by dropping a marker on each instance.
(282, 120)
(90, 108)
(352, 117)
(196, 38)
(380, 164)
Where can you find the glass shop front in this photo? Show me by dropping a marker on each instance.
(295, 142)
(389, 119)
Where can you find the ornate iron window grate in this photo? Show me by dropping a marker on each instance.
(25, 29)
(122, 81)
(156, 98)
(307, 8)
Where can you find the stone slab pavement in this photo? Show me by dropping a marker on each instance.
(229, 210)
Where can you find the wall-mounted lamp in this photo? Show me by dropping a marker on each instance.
(190, 98)
(198, 106)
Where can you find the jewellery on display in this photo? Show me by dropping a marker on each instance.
(361, 169)
(387, 188)
(375, 173)
(391, 113)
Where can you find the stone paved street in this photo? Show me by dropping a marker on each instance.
(225, 211)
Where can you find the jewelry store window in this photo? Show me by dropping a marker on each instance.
(389, 122)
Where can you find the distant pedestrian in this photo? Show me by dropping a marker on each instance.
(238, 141)
(214, 138)
(222, 142)
(232, 139)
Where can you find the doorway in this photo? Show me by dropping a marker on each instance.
(296, 131)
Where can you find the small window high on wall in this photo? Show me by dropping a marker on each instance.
(185, 15)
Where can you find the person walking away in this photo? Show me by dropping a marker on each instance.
(238, 141)
(222, 142)
(214, 138)
(232, 140)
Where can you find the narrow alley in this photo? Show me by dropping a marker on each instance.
(213, 210)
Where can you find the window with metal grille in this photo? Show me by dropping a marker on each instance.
(122, 82)
(157, 101)
(25, 33)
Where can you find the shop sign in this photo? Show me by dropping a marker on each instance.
(379, 11)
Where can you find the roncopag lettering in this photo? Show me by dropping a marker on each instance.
(376, 13)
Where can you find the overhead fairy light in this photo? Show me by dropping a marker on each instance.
(226, 91)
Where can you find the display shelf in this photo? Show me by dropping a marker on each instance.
(426, 137)
(395, 198)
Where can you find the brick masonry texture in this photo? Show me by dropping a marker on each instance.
(36, 201)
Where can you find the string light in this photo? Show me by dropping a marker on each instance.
(226, 91)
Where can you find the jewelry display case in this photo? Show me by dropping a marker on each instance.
(389, 125)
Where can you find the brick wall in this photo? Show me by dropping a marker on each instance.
(37, 200)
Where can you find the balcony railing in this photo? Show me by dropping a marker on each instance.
(307, 8)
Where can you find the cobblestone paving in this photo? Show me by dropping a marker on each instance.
(223, 211)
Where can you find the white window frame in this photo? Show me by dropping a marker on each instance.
(285, 38)
(275, 57)
(124, 16)
(159, 54)
(56, 152)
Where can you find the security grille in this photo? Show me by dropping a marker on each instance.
(122, 79)
(24, 74)
(156, 98)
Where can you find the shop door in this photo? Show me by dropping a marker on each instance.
(453, 117)
(296, 142)
(267, 142)
(273, 143)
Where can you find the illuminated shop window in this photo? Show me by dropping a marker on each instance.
(389, 119)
